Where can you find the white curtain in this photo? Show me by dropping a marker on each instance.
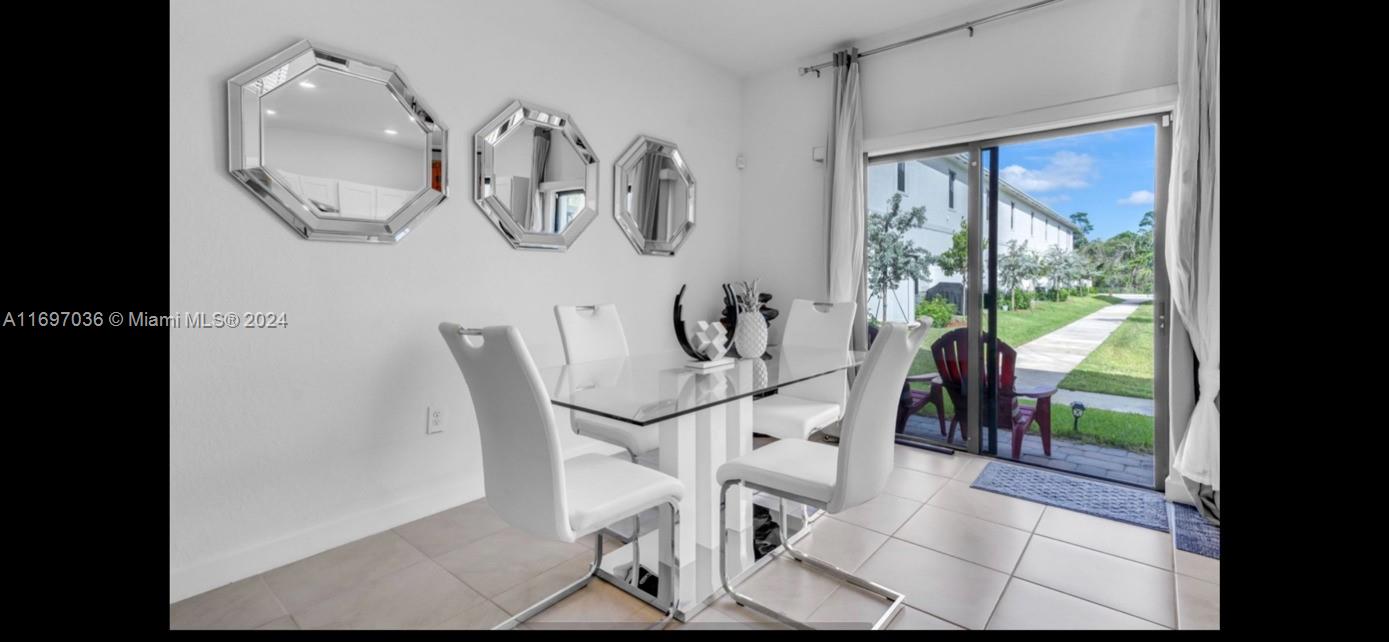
(846, 209)
(1193, 242)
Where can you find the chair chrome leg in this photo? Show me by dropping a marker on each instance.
(555, 597)
(634, 572)
(674, 578)
(892, 596)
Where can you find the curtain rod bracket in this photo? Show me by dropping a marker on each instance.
(971, 31)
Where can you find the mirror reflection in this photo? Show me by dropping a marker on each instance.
(539, 179)
(343, 144)
(656, 196)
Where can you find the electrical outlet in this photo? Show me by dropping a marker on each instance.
(433, 420)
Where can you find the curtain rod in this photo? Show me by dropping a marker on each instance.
(962, 26)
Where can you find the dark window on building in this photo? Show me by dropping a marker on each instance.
(901, 177)
(1012, 215)
(950, 189)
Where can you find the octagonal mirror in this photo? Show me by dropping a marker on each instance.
(535, 177)
(338, 147)
(654, 199)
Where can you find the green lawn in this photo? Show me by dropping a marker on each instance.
(1017, 327)
(1123, 364)
(1130, 431)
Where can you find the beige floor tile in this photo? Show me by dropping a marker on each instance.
(913, 485)
(982, 542)
(789, 587)
(312, 579)
(928, 461)
(960, 592)
(246, 604)
(1029, 606)
(482, 616)
(1197, 566)
(1139, 544)
(1001, 509)
(725, 614)
(598, 605)
(285, 623)
(853, 608)
(423, 595)
(1198, 604)
(973, 466)
(1125, 585)
(840, 543)
(445, 531)
(884, 513)
(507, 558)
(519, 598)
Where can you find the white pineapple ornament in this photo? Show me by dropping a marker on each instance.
(750, 335)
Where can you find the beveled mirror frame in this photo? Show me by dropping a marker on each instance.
(484, 175)
(245, 141)
(626, 221)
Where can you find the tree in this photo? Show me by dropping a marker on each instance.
(1054, 267)
(1015, 266)
(954, 260)
(1082, 221)
(892, 257)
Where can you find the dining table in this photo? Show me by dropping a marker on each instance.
(704, 417)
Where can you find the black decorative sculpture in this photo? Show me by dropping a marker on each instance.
(680, 330)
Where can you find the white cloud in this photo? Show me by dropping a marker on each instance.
(1064, 170)
(1141, 197)
(1055, 199)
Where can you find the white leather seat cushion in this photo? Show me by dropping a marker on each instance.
(789, 417)
(603, 490)
(799, 467)
(638, 439)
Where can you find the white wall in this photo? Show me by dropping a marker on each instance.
(1075, 51)
(286, 442)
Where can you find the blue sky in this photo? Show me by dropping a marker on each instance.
(1107, 174)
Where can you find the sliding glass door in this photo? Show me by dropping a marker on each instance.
(1038, 259)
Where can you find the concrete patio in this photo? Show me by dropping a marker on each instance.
(1114, 464)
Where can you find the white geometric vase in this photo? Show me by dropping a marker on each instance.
(750, 337)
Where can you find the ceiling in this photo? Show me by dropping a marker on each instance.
(749, 37)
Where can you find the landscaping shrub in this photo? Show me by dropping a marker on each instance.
(1022, 299)
(940, 309)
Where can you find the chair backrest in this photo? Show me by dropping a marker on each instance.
(868, 432)
(820, 325)
(591, 333)
(522, 463)
(951, 354)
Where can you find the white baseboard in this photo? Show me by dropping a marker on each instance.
(240, 564)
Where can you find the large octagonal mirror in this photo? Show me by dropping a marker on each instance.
(339, 147)
(536, 177)
(654, 202)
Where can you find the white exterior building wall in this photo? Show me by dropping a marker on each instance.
(925, 185)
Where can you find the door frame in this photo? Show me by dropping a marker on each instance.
(976, 220)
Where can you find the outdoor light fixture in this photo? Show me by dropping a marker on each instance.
(1077, 409)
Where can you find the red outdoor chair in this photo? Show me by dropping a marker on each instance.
(951, 353)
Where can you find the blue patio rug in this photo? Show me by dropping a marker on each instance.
(1193, 533)
(1110, 501)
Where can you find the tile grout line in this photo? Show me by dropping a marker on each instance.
(261, 577)
(1083, 599)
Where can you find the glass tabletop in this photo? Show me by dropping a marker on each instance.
(650, 388)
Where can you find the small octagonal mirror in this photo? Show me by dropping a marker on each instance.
(337, 146)
(654, 201)
(535, 177)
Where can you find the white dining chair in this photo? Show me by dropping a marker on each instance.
(800, 409)
(594, 333)
(833, 478)
(526, 479)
